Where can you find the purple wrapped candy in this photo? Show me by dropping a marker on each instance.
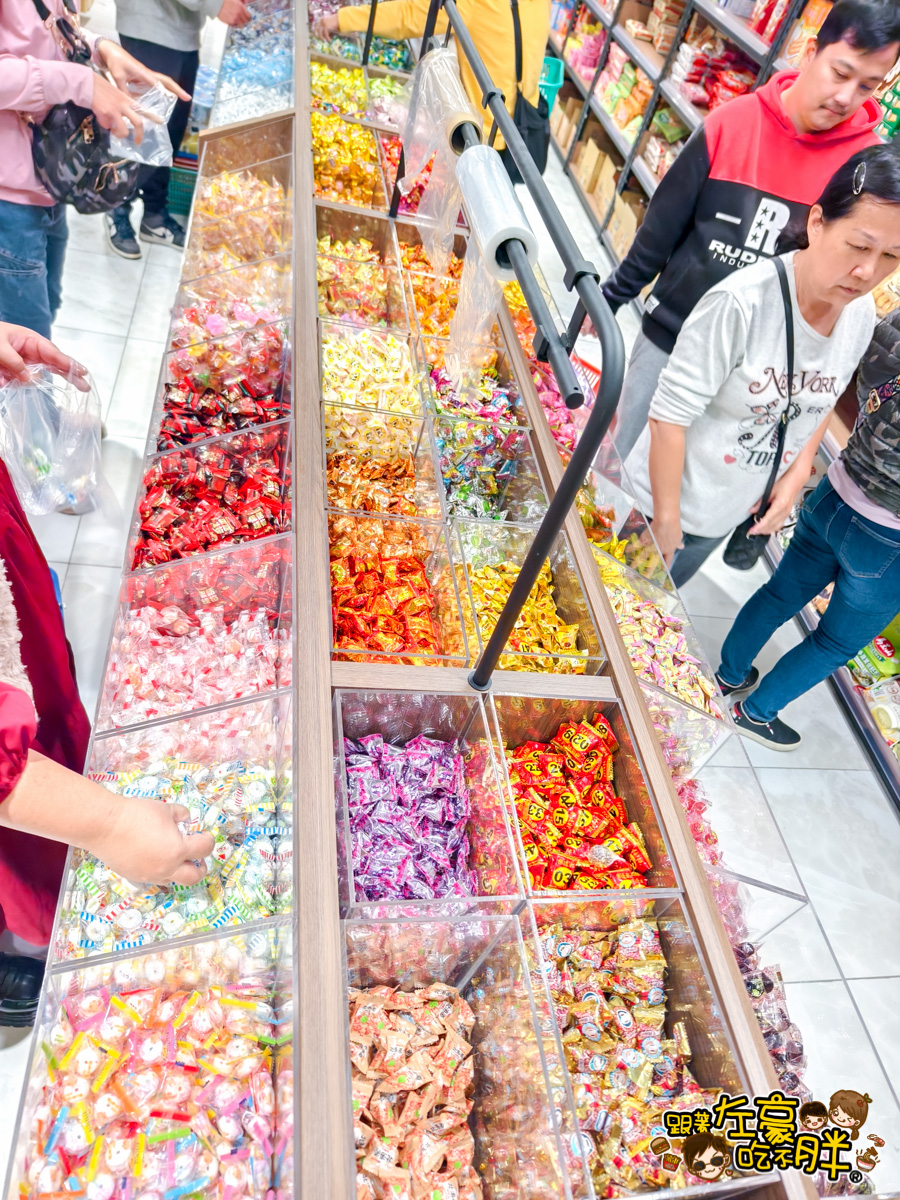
(409, 807)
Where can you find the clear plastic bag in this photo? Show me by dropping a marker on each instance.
(50, 442)
(155, 105)
(473, 321)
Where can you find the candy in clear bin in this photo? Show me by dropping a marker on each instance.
(346, 167)
(158, 1074)
(368, 368)
(199, 632)
(251, 359)
(229, 301)
(231, 770)
(339, 90)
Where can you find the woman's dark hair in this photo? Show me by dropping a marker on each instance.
(873, 172)
(867, 25)
(813, 1108)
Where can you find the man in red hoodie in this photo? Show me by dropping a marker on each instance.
(755, 165)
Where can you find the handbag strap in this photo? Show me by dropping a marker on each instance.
(517, 34)
(786, 415)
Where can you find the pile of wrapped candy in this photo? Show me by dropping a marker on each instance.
(414, 258)
(339, 90)
(409, 809)
(478, 462)
(191, 416)
(483, 397)
(208, 319)
(345, 162)
(409, 201)
(384, 108)
(656, 642)
(412, 1079)
(574, 828)
(252, 358)
(381, 599)
(239, 217)
(369, 369)
(220, 493)
(435, 301)
(609, 1001)
(251, 867)
(360, 291)
(159, 1079)
(372, 484)
(540, 640)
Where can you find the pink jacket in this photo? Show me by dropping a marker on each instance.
(34, 75)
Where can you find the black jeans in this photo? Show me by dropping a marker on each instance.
(180, 65)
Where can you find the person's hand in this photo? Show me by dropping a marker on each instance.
(669, 538)
(115, 110)
(21, 348)
(783, 497)
(234, 13)
(125, 69)
(142, 843)
(325, 28)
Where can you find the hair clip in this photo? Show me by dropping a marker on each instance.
(859, 178)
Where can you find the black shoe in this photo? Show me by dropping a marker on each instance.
(739, 688)
(774, 734)
(120, 234)
(162, 230)
(20, 989)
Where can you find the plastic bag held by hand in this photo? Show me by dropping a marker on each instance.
(155, 105)
(50, 442)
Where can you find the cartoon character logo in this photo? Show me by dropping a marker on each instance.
(706, 1155)
(813, 1115)
(849, 1109)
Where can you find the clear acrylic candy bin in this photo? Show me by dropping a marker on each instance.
(162, 1069)
(431, 545)
(693, 1022)
(498, 461)
(357, 183)
(369, 368)
(491, 545)
(244, 481)
(258, 103)
(371, 442)
(475, 397)
(360, 292)
(514, 1124)
(397, 718)
(232, 768)
(232, 300)
(195, 633)
(234, 151)
(519, 719)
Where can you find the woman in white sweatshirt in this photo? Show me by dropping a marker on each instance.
(701, 466)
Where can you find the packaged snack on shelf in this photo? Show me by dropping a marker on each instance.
(222, 492)
(231, 769)
(368, 368)
(807, 26)
(880, 659)
(668, 125)
(199, 632)
(638, 30)
(575, 829)
(164, 1070)
(340, 90)
(883, 699)
(488, 471)
(421, 814)
(621, 986)
(554, 631)
(394, 592)
(346, 166)
(418, 1136)
(374, 476)
(585, 44)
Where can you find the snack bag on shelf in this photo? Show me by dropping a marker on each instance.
(808, 25)
(883, 700)
(880, 659)
(779, 12)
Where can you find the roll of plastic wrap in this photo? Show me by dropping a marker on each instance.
(493, 209)
(452, 125)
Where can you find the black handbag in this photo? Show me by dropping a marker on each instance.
(70, 148)
(533, 123)
(745, 549)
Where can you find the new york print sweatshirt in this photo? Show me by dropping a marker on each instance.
(726, 383)
(744, 174)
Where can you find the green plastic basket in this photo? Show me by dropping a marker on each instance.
(551, 79)
(181, 189)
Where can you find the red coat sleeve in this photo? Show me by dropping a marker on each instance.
(18, 729)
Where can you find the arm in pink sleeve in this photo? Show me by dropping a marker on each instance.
(18, 729)
(33, 85)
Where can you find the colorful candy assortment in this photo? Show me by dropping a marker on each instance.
(251, 358)
(574, 829)
(609, 1002)
(345, 163)
(339, 90)
(250, 869)
(169, 1074)
(484, 397)
(221, 493)
(239, 217)
(190, 416)
(408, 812)
(413, 1074)
(360, 291)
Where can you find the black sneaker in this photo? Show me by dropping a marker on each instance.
(739, 688)
(162, 230)
(20, 989)
(774, 734)
(120, 234)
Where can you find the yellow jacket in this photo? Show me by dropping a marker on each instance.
(489, 22)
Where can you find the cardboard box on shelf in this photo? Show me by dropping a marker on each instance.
(592, 159)
(605, 187)
(627, 214)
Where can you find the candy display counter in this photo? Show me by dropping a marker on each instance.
(324, 534)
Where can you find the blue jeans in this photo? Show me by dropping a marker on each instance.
(688, 561)
(32, 253)
(831, 543)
